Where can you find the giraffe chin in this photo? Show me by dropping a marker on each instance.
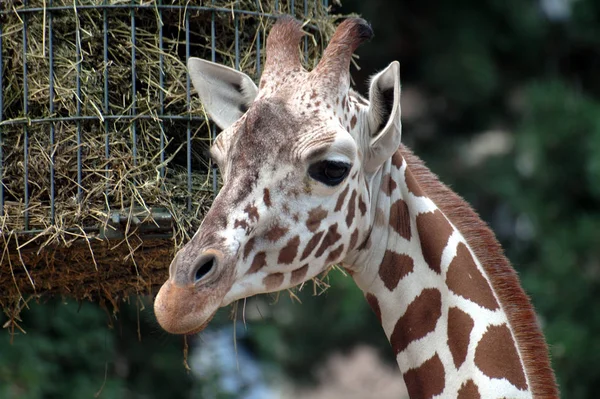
(184, 310)
(202, 327)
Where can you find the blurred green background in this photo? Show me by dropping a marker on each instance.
(502, 99)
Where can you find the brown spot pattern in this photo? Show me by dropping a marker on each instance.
(258, 262)
(400, 219)
(299, 274)
(504, 280)
(420, 319)
(252, 212)
(330, 238)
(366, 244)
(351, 208)
(353, 122)
(394, 267)
(426, 381)
(397, 159)
(465, 279)
(275, 233)
(315, 216)
(340, 200)
(388, 185)
(374, 304)
(333, 255)
(496, 356)
(362, 206)
(468, 390)
(273, 281)
(460, 325)
(267, 197)
(312, 243)
(240, 223)
(288, 253)
(353, 239)
(248, 247)
(379, 217)
(434, 232)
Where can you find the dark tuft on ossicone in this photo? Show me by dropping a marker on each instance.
(335, 63)
(363, 29)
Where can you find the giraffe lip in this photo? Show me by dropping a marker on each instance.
(183, 310)
(202, 326)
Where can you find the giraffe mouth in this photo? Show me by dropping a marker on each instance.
(183, 310)
(202, 326)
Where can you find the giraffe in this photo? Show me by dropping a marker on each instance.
(314, 175)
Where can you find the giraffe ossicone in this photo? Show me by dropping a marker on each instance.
(314, 175)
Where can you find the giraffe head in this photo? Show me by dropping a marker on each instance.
(296, 155)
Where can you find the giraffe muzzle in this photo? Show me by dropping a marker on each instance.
(188, 300)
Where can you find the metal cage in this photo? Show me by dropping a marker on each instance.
(118, 95)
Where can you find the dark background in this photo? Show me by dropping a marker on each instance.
(501, 98)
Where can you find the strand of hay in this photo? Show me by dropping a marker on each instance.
(68, 255)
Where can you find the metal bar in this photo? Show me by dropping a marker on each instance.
(51, 107)
(305, 36)
(236, 23)
(292, 8)
(27, 121)
(133, 87)
(189, 111)
(1, 117)
(213, 57)
(213, 47)
(105, 109)
(258, 66)
(78, 60)
(161, 94)
(148, 5)
(25, 127)
(152, 6)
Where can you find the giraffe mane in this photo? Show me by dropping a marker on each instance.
(503, 277)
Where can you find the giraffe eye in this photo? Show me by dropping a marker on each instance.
(330, 173)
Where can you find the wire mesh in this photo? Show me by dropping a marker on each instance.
(135, 112)
(104, 171)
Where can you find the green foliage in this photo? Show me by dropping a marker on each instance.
(69, 351)
(299, 336)
(560, 132)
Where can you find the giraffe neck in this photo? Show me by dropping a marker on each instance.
(450, 304)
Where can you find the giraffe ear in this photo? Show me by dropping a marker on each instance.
(384, 125)
(225, 93)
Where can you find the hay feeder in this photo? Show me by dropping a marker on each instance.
(103, 169)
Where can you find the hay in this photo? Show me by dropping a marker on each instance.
(68, 242)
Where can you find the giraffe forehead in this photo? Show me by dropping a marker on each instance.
(273, 131)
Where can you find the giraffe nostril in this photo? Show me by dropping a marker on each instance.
(203, 267)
